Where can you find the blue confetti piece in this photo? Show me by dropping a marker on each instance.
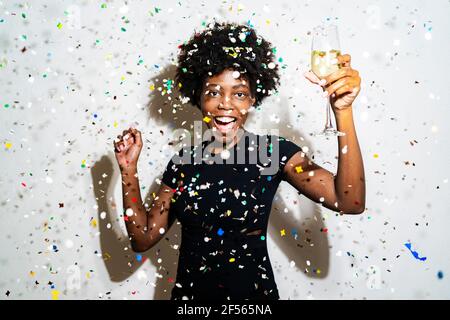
(138, 257)
(415, 253)
(440, 275)
(220, 232)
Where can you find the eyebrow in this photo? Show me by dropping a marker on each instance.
(234, 87)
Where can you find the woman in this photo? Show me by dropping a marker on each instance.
(224, 208)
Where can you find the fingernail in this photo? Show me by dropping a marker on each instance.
(325, 94)
(322, 82)
(333, 95)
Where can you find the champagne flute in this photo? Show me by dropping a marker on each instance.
(324, 52)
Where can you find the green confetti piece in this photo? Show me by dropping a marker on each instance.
(24, 15)
(6, 105)
(123, 29)
(59, 25)
(103, 6)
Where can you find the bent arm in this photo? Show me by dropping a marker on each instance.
(344, 192)
(145, 227)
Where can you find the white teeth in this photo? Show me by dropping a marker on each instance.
(225, 119)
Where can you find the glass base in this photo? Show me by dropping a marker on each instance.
(329, 132)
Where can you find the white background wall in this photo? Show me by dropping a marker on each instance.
(67, 91)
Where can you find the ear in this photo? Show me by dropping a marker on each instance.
(253, 100)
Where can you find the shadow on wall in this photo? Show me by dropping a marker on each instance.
(311, 243)
(121, 262)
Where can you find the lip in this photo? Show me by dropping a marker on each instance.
(225, 128)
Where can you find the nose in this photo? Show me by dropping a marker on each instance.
(225, 104)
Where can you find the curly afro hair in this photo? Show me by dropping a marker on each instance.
(227, 46)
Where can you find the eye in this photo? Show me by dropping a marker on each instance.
(241, 94)
(213, 93)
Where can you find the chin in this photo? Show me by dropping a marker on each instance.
(226, 135)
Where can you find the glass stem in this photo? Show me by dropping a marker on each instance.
(328, 124)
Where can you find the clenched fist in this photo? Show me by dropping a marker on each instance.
(127, 148)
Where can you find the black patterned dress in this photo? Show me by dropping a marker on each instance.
(224, 210)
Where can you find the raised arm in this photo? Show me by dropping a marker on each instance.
(344, 192)
(145, 227)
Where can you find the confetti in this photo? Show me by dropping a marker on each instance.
(414, 253)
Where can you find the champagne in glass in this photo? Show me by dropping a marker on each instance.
(324, 52)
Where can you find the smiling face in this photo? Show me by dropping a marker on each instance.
(226, 100)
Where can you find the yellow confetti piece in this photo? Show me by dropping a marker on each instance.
(94, 223)
(179, 84)
(8, 145)
(207, 119)
(318, 271)
(116, 124)
(182, 175)
(232, 260)
(32, 273)
(375, 155)
(122, 78)
(283, 232)
(228, 213)
(299, 169)
(152, 87)
(55, 294)
(88, 275)
(59, 25)
(268, 21)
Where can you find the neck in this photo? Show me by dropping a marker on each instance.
(235, 140)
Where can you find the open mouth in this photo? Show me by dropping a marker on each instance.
(224, 123)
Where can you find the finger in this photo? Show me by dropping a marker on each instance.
(119, 146)
(344, 60)
(338, 74)
(344, 89)
(336, 85)
(312, 77)
(137, 136)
